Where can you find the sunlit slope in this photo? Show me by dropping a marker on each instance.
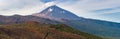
(35, 30)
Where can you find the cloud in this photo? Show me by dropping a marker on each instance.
(104, 10)
(16, 3)
(107, 10)
(45, 1)
(93, 8)
(50, 3)
(22, 7)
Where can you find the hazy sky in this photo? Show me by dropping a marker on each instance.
(97, 9)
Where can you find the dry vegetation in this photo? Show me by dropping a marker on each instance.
(34, 30)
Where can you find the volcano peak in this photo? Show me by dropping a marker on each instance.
(55, 12)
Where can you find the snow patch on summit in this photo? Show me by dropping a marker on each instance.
(50, 9)
(57, 13)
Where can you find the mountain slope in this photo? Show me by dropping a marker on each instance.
(21, 19)
(35, 30)
(56, 13)
(92, 26)
(96, 27)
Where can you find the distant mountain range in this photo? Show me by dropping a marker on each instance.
(56, 15)
(15, 19)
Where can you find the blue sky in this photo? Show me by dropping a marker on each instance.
(96, 9)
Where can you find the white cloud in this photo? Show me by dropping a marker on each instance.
(85, 8)
(50, 3)
(22, 7)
